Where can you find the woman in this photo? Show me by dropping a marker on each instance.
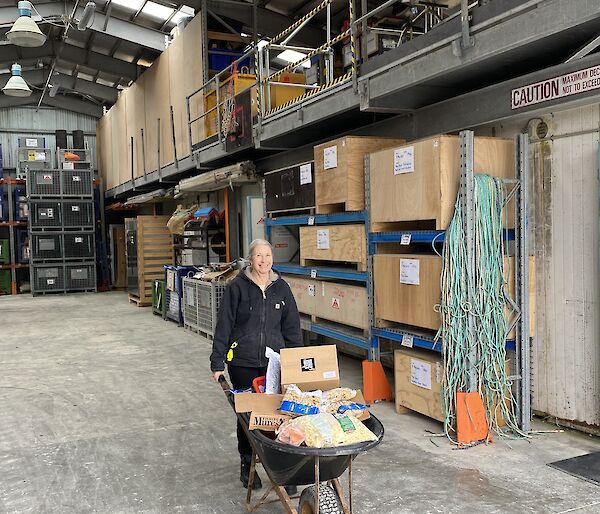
(257, 310)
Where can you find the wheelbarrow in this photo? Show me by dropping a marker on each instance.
(318, 468)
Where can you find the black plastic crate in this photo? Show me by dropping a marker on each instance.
(45, 214)
(43, 183)
(77, 213)
(77, 183)
(80, 276)
(46, 246)
(79, 245)
(48, 278)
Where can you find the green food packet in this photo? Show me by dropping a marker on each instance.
(346, 423)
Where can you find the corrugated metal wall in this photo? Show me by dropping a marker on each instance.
(25, 121)
(565, 217)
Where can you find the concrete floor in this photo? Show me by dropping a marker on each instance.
(106, 408)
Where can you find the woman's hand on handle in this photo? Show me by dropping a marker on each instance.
(217, 374)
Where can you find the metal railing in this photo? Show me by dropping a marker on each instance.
(211, 109)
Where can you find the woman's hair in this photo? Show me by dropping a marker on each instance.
(258, 242)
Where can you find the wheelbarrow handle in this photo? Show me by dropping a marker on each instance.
(223, 383)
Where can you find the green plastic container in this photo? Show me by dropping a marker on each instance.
(4, 251)
(5, 282)
(158, 298)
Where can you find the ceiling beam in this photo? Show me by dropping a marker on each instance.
(269, 22)
(71, 54)
(59, 102)
(117, 28)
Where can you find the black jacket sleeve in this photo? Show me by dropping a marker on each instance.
(225, 324)
(290, 321)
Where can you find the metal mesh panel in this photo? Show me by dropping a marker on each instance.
(79, 245)
(43, 182)
(48, 278)
(45, 214)
(209, 298)
(80, 276)
(190, 303)
(77, 183)
(78, 214)
(46, 246)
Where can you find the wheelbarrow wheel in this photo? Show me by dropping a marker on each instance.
(329, 503)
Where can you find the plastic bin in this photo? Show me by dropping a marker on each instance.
(158, 298)
(22, 246)
(21, 204)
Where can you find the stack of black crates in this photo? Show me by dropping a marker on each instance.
(61, 230)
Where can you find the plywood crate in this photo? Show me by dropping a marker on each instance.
(419, 181)
(411, 304)
(154, 250)
(332, 301)
(120, 262)
(104, 150)
(334, 243)
(339, 171)
(418, 379)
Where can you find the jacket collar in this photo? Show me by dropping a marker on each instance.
(273, 275)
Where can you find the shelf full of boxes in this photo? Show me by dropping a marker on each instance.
(14, 249)
(369, 245)
(321, 204)
(62, 222)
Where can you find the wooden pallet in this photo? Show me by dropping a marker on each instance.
(196, 330)
(138, 301)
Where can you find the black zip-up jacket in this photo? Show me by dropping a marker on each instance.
(248, 322)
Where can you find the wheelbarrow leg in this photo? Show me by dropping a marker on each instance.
(251, 478)
(285, 499)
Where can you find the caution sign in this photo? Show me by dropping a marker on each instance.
(335, 303)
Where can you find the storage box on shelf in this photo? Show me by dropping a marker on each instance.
(32, 154)
(334, 244)
(414, 186)
(337, 302)
(5, 282)
(4, 251)
(23, 249)
(21, 204)
(149, 248)
(339, 172)
(290, 189)
(74, 159)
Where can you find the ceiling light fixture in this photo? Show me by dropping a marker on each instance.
(25, 31)
(16, 86)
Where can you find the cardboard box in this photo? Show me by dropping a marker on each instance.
(310, 367)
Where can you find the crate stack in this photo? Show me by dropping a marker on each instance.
(61, 230)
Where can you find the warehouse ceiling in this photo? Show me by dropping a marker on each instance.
(89, 67)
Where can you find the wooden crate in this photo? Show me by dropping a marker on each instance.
(117, 234)
(136, 122)
(419, 181)
(339, 171)
(413, 305)
(154, 250)
(418, 378)
(332, 301)
(334, 243)
(121, 166)
(104, 150)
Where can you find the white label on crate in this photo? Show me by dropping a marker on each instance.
(329, 374)
(75, 208)
(50, 281)
(407, 340)
(335, 303)
(49, 213)
(68, 165)
(323, 239)
(405, 240)
(305, 174)
(330, 158)
(404, 160)
(31, 143)
(40, 156)
(79, 239)
(311, 220)
(409, 271)
(420, 373)
(313, 273)
(47, 178)
(312, 290)
(76, 178)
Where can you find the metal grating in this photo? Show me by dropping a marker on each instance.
(80, 276)
(77, 183)
(46, 246)
(78, 214)
(43, 183)
(78, 245)
(45, 214)
(48, 278)
(202, 301)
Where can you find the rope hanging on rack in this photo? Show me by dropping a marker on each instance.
(487, 288)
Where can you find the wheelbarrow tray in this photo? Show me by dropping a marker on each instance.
(291, 465)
